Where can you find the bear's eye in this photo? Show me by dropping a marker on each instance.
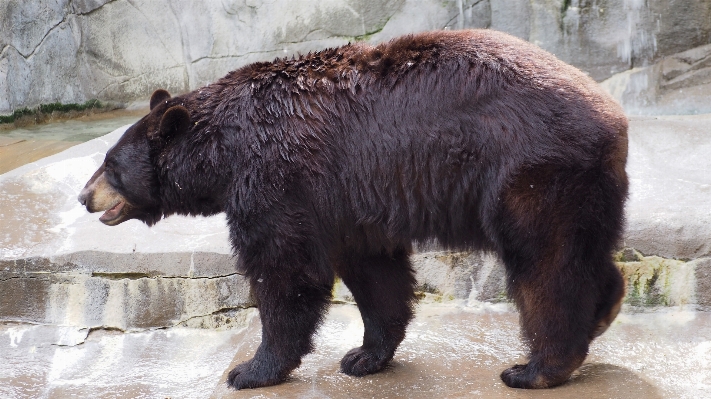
(111, 174)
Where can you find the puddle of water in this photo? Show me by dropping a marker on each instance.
(28, 144)
(76, 130)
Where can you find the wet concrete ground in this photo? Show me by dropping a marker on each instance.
(450, 352)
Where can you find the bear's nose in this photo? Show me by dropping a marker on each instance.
(82, 197)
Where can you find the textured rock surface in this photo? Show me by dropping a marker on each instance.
(60, 265)
(677, 84)
(669, 211)
(121, 50)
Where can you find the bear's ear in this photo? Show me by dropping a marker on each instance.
(159, 96)
(175, 122)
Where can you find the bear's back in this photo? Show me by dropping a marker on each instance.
(392, 127)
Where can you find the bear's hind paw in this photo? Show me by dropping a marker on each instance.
(527, 377)
(359, 362)
(250, 375)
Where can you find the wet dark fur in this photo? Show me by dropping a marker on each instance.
(334, 163)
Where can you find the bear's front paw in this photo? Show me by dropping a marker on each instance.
(527, 377)
(359, 362)
(253, 374)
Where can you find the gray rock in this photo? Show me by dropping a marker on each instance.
(117, 302)
(26, 24)
(471, 276)
(677, 84)
(669, 210)
(120, 51)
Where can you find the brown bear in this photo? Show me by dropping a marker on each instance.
(334, 163)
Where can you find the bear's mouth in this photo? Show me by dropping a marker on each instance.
(111, 216)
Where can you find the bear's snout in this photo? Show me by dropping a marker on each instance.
(99, 196)
(88, 191)
(85, 195)
(86, 199)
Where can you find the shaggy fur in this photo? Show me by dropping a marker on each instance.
(334, 163)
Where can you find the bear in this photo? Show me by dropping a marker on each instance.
(336, 163)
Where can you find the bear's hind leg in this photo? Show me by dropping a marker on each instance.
(384, 290)
(557, 317)
(560, 315)
(558, 233)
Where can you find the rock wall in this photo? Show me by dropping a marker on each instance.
(676, 84)
(121, 50)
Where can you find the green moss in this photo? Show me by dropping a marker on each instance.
(59, 107)
(364, 38)
(501, 297)
(427, 297)
(50, 108)
(564, 8)
(654, 281)
(17, 114)
(563, 12)
(368, 35)
(428, 289)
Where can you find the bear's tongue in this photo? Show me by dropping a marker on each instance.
(112, 213)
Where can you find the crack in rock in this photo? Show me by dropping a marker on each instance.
(51, 29)
(461, 13)
(138, 275)
(32, 53)
(89, 12)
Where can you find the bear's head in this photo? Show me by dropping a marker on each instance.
(127, 184)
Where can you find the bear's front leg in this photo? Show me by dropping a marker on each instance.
(291, 302)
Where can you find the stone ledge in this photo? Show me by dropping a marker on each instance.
(44, 291)
(124, 265)
(124, 303)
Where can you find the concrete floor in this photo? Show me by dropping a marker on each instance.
(450, 352)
